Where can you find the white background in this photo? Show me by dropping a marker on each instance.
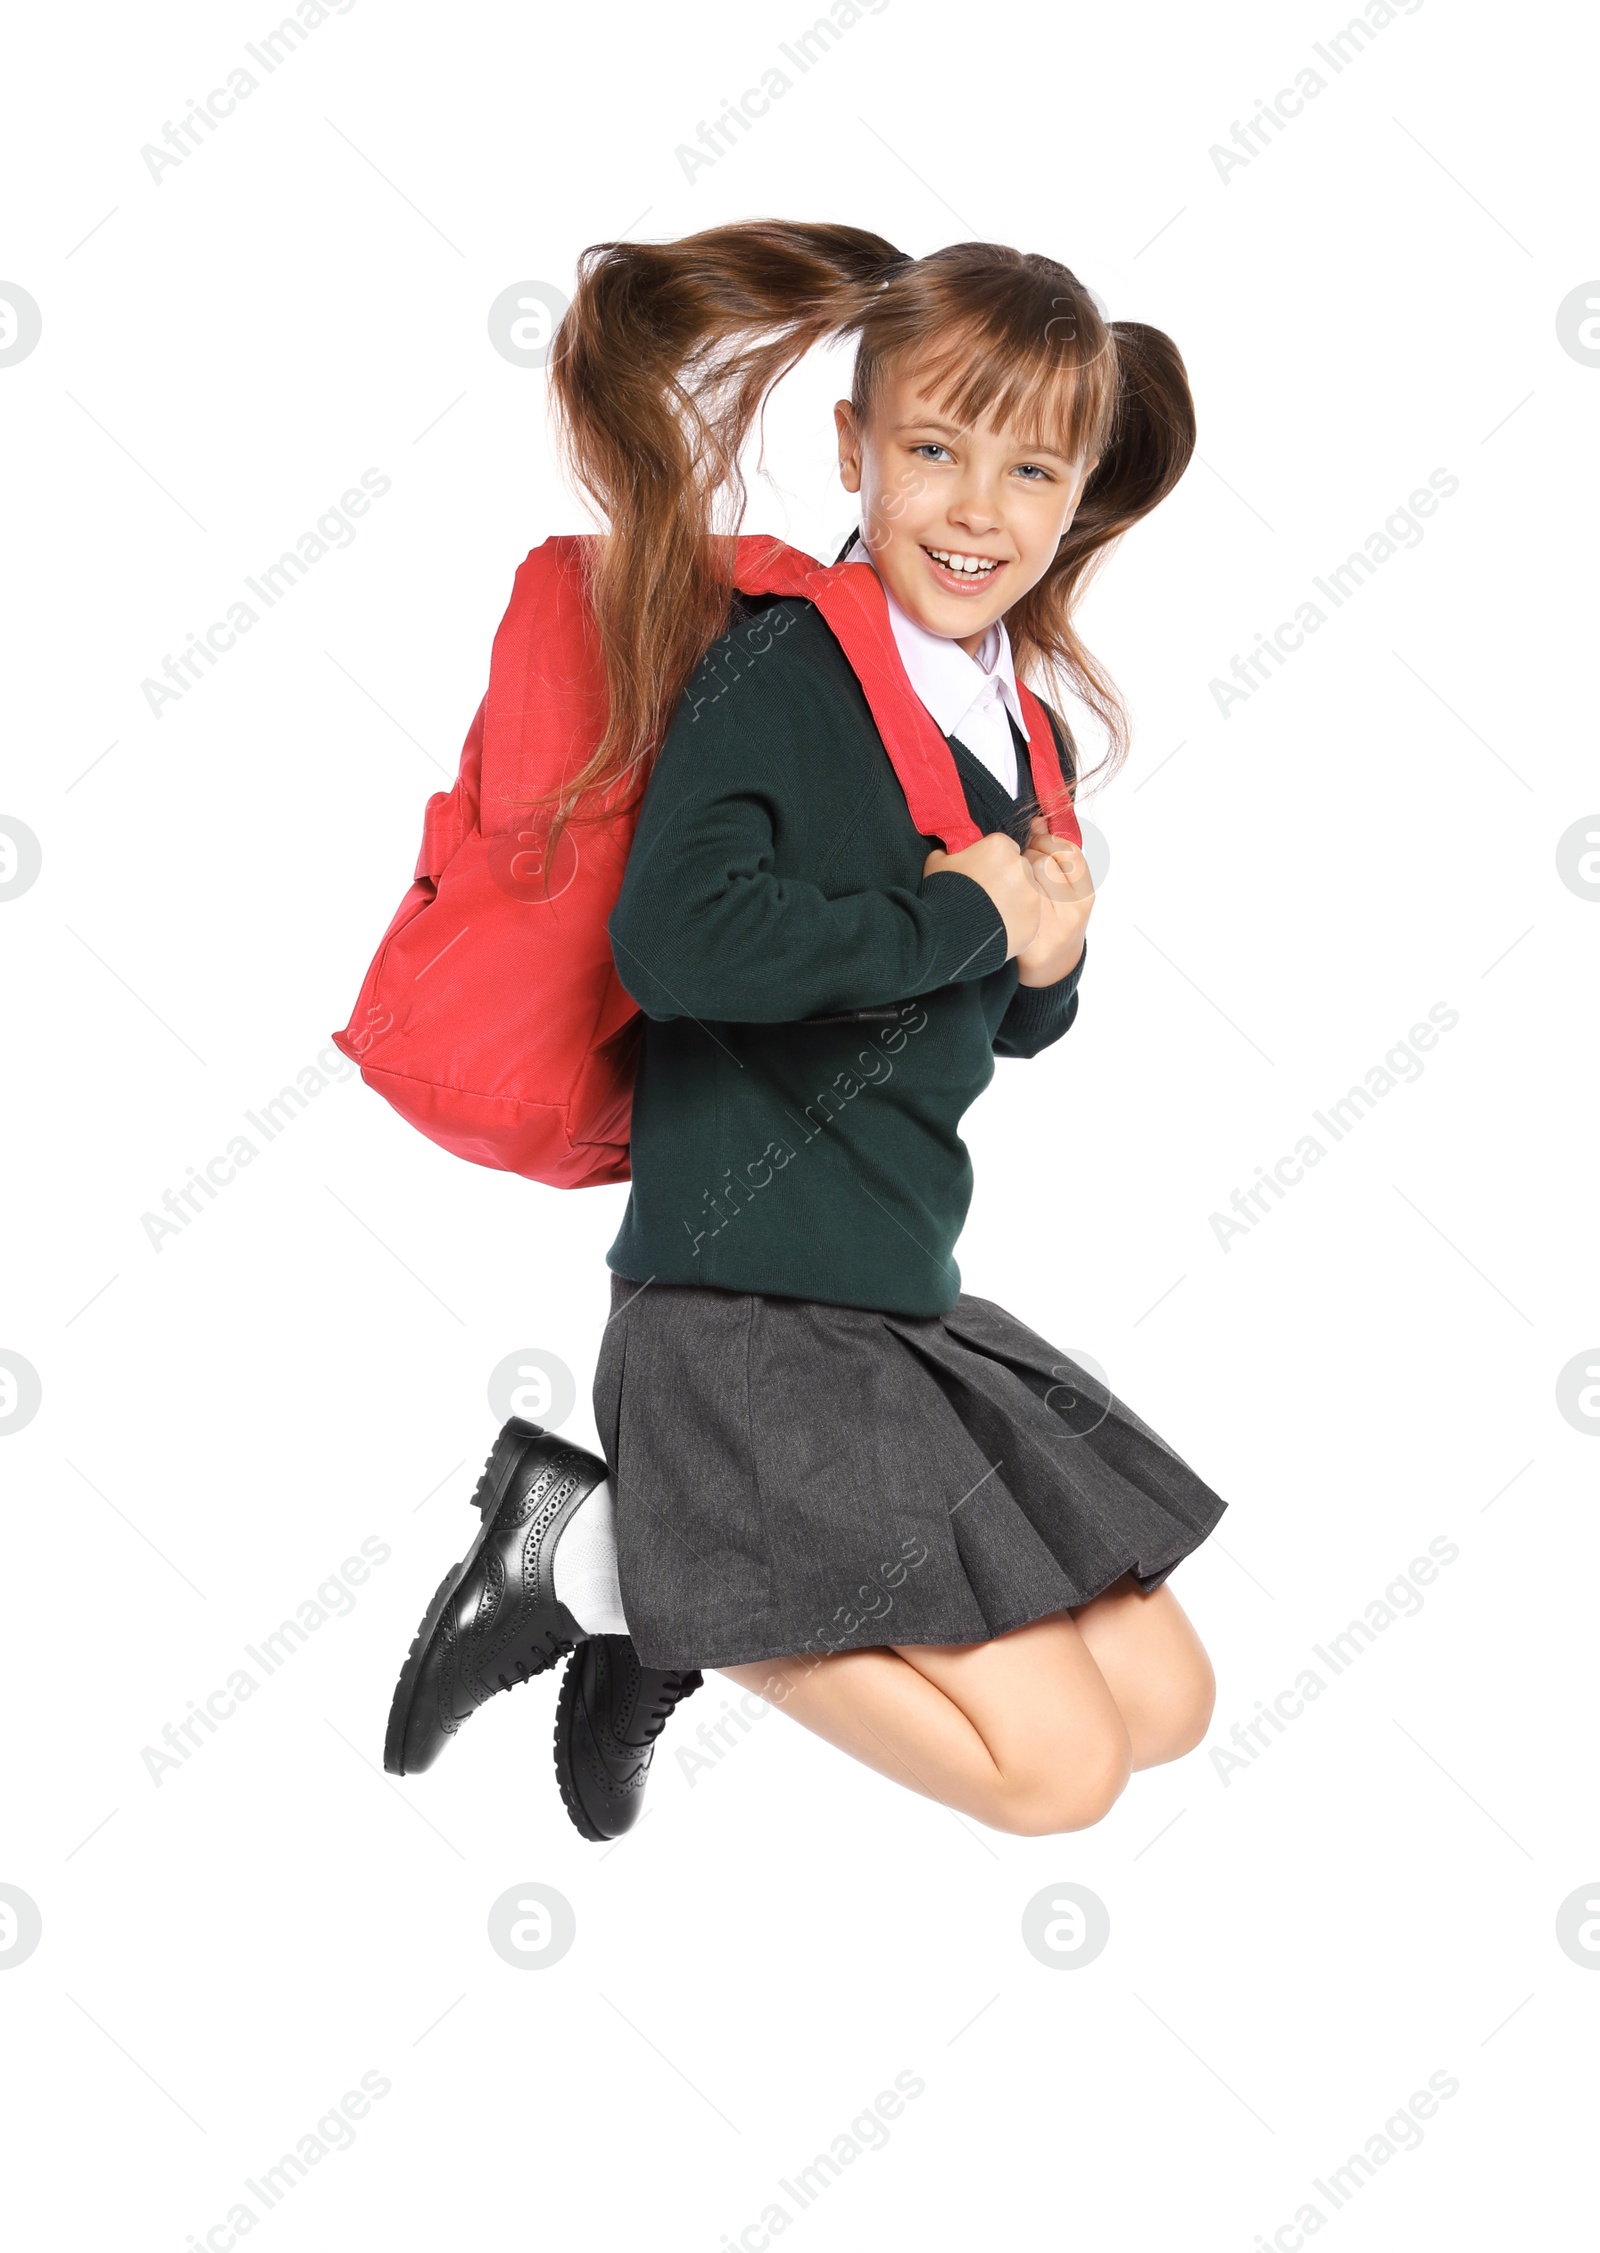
(1294, 1950)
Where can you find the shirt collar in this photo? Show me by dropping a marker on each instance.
(947, 680)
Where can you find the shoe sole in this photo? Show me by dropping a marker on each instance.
(566, 1705)
(487, 1497)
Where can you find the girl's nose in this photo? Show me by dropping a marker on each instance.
(975, 509)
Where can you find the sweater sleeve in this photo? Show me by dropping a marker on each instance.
(706, 928)
(1039, 1015)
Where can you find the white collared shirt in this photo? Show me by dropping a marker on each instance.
(972, 698)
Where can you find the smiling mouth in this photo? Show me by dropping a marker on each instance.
(971, 570)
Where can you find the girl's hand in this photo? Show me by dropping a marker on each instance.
(998, 865)
(1066, 899)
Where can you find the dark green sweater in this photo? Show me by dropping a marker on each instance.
(818, 1014)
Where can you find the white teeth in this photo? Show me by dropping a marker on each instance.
(969, 566)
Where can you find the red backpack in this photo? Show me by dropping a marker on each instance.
(492, 1016)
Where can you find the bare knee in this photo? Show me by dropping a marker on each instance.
(1072, 1794)
(1182, 1714)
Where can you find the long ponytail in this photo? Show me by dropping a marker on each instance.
(1148, 443)
(659, 369)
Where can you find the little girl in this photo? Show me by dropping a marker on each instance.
(876, 1501)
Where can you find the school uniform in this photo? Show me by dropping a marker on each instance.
(817, 1440)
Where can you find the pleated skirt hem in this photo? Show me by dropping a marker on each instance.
(796, 1478)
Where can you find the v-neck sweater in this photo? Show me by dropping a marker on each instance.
(818, 1014)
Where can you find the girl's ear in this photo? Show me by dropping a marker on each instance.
(844, 421)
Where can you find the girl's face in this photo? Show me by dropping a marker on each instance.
(961, 523)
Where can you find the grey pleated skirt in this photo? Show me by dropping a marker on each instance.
(793, 1478)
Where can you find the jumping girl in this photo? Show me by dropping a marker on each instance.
(870, 1498)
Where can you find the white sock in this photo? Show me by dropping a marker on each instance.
(585, 1566)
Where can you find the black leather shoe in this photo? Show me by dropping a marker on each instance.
(495, 1619)
(609, 1714)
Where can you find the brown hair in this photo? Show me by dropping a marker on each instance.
(660, 368)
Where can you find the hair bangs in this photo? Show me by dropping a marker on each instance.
(1020, 345)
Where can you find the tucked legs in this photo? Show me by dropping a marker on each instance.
(1032, 1732)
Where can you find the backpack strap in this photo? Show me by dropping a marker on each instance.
(1044, 758)
(855, 607)
(851, 599)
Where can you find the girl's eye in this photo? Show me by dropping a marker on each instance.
(1033, 470)
(931, 446)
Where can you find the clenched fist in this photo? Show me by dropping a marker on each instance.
(1066, 899)
(998, 864)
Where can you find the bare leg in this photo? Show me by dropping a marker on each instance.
(1033, 1732)
(1155, 1667)
(1020, 1732)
